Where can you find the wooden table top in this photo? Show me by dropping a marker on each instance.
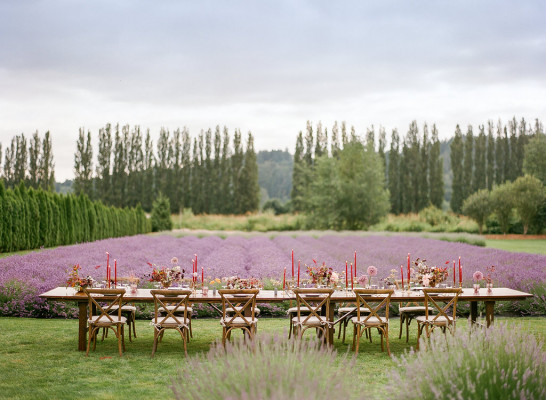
(268, 296)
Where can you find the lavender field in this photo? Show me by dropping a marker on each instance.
(23, 277)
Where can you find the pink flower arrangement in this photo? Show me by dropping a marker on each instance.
(488, 278)
(372, 271)
(478, 276)
(363, 280)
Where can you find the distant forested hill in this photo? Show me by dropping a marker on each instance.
(275, 174)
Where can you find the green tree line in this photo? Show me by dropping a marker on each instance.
(30, 163)
(32, 218)
(211, 174)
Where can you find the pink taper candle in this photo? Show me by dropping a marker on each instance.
(409, 268)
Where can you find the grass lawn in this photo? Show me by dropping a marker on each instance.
(534, 246)
(38, 358)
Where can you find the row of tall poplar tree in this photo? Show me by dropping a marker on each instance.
(214, 174)
(30, 162)
(414, 168)
(494, 156)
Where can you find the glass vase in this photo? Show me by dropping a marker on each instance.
(489, 287)
(476, 288)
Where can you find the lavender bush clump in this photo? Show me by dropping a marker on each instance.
(24, 277)
(501, 362)
(269, 367)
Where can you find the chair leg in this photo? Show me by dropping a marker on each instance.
(119, 336)
(290, 326)
(401, 322)
(134, 324)
(387, 340)
(156, 336)
(184, 338)
(381, 334)
(123, 335)
(345, 323)
(358, 335)
(408, 322)
(419, 330)
(90, 339)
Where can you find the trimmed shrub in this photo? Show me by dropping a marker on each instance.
(161, 214)
(501, 362)
(269, 367)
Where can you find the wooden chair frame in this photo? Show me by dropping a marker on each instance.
(366, 298)
(112, 297)
(346, 318)
(231, 311)
(164, 298)
(315, 305)
(430, 323)
(407, 316)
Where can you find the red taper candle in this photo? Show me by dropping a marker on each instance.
(352, 278)
(299, 263)
(454, 274)
(115, 273)
(292, 263)
(284, 279)
(346, 274)
(355, 262)
(460, 273)
(402, 274)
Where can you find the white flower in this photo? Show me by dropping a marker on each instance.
(176, 269)
(174, 260)
(335, 277)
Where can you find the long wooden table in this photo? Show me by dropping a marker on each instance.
(268, 296)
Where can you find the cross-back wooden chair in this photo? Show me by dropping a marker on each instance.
(170, 301)
(100, 305)
(442, 318)
(128, 310)
(345, 312)
(375, 300)
(408, 311)
(237, 316)
(310, 303)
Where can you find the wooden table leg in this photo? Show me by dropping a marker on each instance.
(489, 312)
(331, 328)
(473, 311)
(82, 333)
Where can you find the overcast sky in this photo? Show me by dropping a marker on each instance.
(265, 66)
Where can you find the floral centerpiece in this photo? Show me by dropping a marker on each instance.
(74, 280)
(363, 280)
(234, 282)
(166, 275)
(429, 276)
(372, 271)
(391, 279)
(320, 274)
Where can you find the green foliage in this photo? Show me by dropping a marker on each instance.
(502, 362)
(31, 219)
(457, 195)
(528, 198)
(161, 214)
(534, 162)
(276, 206)
(478, 206)
(349, 192)
(269, 367)
(275, 173)
(502, 202)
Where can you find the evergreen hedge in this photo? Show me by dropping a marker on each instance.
(31, 218)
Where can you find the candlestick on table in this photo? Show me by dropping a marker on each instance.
(107, 264)
(454, 274)
(292, 263)
(284, 280)
(355, 263)
(115, 273)
(202, 276)
(460, 273)
(409, 271)
(402, 274)
(299, 262)
(346, 275)
(352, 278)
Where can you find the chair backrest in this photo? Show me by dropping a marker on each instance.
(448, 296)
(175, 299)
(314, 299)
(374, 300)
(107, 298)
(232, 297)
